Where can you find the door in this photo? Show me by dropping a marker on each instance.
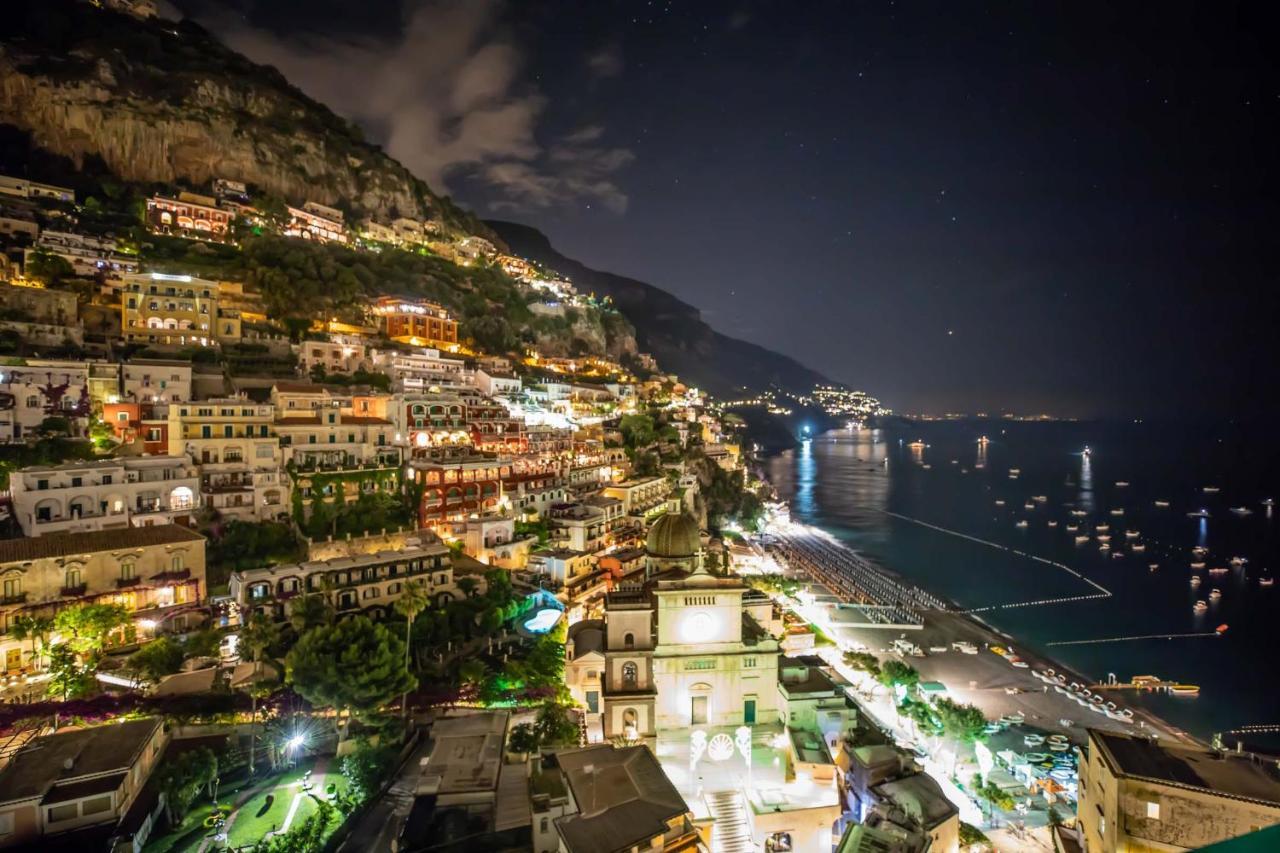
(13, 660)
(593, 702)
(749, 712)
(699, 716)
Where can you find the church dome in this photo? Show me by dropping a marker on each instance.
(674, 535)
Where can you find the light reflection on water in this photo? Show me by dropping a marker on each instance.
(1085, 498)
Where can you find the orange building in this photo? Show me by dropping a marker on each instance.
(416, 322)
(189, 215)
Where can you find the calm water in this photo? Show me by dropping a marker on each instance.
(847, 482)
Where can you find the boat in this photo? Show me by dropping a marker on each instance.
(1013, 473)
(1238, 562)
(1210, 490)
(1072, 528)
(1033, 740)
(917, 445)
(1242, 510)
(926, 466)
(1122, 484)
(1086, 451)
(1215, 594)
(999, 502)
(1162, 504)
(1268, 502)
(1117, 511)
(1266, 580)
(1117, 554)
(1053, 524)
(1218, 570)
(1200, 513)
(1221, 629)
(1021, 523)
(1184, 689)
(1137, 547)
(1199, 550)
(984, 440)
(1195, 581)
(1104, 547)
(1079, 513)
(1103, 528)
(1200, 606)
(1080, 540)
(1131, 534)
(1197, 564)
(1035, 757)
(1104, 537)
(1028, 505)
(1153, 566)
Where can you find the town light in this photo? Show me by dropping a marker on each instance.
(295, 742)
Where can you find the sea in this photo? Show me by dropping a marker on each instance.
(929, 512)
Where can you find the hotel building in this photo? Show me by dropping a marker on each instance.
(234, 442)
(189, 215)
(315, 221)
(152, 571)
(457, 483)
(416, 322)
(178, 310)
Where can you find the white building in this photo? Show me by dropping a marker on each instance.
(43, 388)
(234, 442)
(24, 188)
(145, 380)
(342, 354)
(494, 384)
(88, 256)
(80, 497)
(422, 370)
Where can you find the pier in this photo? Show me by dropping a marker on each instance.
(1149, 683)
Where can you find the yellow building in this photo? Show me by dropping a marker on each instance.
(178, 310)
(1140, 795)
(234, 442)
(152, 571)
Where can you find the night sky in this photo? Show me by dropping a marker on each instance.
(1062, 207)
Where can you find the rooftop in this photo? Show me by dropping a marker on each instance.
(466, 754)
(623, 798)
(66, 544)
(1224, 774)
(71, 757)
(920, 797)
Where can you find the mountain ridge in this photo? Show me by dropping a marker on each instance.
(669, 328)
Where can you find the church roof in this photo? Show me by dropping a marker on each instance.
(674, 535)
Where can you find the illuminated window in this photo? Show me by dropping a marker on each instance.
(1153, 811)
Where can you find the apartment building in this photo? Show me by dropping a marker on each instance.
(24, 188)
(315, 221)
(145, 423)
(88, 256)
(235, 444)
(169, 309)
(343, 354)
(422, 371)
(156, 381)
(1139, 794)
(416, 322)
(456, 483)
(36, 389)
(641, 497)
(104, 495)
(189, 215)
(77, 779)
(154, 572)
(359, 584)
(335, 438)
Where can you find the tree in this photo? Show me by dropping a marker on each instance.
(355, 666)
(468, 585)
(472, 671)
(310, 611)
(366, 767)
(67, 678)
(257, 636)
(158, 658)
(555, 727)
(637, 430)
(965, 723)
(48, 268)
(182, 779)
(87, 627)
(895, 672)
(413, 599)
(864, 662)
(26, 626)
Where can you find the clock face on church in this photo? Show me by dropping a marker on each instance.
(698, 626)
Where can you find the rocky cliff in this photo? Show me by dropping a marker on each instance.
(163, 102)
(671, 330)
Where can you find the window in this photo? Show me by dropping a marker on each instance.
(629, 640)
(1153, 811)
(542, 826)
(66, 811)
(72, 579)
(127, 570)
(1102, 825)
(177, 562)
(33, 402)
(6, 824)
(629, 674)
(97, 805)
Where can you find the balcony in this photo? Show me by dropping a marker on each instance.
(16, 598)
(126, 583)
(74, 591)
(171, 576)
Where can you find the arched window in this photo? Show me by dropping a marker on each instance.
(72, 579)
(629, 640)
(127, 570)
(629, 674)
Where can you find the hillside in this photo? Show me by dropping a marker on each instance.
(167, 103)
(671, 330)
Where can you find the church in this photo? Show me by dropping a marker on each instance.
(684, 648)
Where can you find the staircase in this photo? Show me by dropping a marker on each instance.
(732, 833)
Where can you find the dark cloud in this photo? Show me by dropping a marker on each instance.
(444, 96)
(606, 62)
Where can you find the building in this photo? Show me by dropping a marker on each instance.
(334, 437)
(155, 381)
(356, 584)
(189, 215)
(495, 384)
(234, 442)
(178, 310)
(915, 802)
(374, 231)
(110, 494)
(152, 571)
(88, 256)
(315, 221)
(422, 371)
(642, 497)
(456, 483)
(343, 355)
(416, 322)
(34, 390)
(1138, 795)
(14, 222)
(25, 188)
(39, 304)
(147, 423)
(620, 802)
(78, 780)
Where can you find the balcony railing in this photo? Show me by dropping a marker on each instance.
(16, 598)
(125, 583)
(74, 591)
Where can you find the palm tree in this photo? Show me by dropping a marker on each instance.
(33, 628)
(257, 635)
(413, 600)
